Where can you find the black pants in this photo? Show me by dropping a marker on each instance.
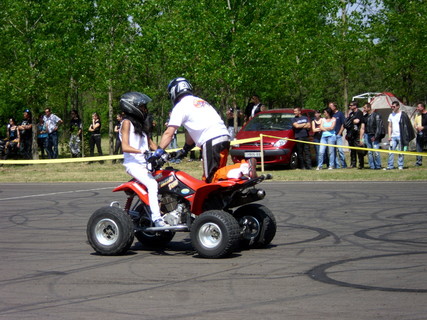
(303, 152)
(214, 157)
(356, 154)
(95, 139)
(26, 147)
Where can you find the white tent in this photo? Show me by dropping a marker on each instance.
(381, 103)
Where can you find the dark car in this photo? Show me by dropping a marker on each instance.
(276, 123)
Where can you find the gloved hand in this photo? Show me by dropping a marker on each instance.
(181, 154)
(156, 160)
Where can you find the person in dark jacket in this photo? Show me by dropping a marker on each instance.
(400, 133)
(373, 132)
(353, 124)
(421, 129)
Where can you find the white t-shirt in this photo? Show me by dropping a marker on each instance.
(394, 118)
(51, 122)
(138, 142)
(199, 118)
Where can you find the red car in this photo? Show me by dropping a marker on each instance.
(276, 123)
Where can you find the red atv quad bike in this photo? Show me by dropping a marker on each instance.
(219, 216)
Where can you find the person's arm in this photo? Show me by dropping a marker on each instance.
(362, 133)
(125, 129)
(389, 131)
(188, 139)
(334, 121)
(151, 144)
(322, 128)
(58, 123)
(167, 137)
(313, 124)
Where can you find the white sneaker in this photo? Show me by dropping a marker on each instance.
(160, 223)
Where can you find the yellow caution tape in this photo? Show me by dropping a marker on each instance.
(354, 148)
(234, 142)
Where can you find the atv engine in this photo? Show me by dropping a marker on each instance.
(173, 211)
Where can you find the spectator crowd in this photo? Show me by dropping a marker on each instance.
(361, 128)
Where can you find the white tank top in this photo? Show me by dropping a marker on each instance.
(138, 142)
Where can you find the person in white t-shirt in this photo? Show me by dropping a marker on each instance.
(204, 126)
(400, 133)
(134, 134)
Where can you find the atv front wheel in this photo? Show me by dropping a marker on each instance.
(215, 234)
(110, 231)
(258, 225)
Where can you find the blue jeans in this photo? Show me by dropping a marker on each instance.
(395, 145)
(340, 156)
(374, 158)
(52, 145)
(328, 140)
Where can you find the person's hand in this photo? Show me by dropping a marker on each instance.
(181, 154)
(158, 159)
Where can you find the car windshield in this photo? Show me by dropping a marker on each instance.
(270, 122)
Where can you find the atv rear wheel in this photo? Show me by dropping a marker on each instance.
(110, 231)
(258, 225)
(215, 234)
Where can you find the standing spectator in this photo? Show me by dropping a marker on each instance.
(421, 130)
(52, 123)
(118, 142)
(400, 133)
(75, 134)
(317, 132)
(352, 124)
(95, 138)
(42, 137)
(254, 106)
(328, 137)
(13, 139)
(301, 126)
(339, 129)
(373, 132)
(230, 122)
(26, 133)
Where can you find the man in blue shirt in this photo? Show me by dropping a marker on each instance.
(339, 128)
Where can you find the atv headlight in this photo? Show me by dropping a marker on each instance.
(279, 143)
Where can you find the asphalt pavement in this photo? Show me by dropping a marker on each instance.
(343, 250)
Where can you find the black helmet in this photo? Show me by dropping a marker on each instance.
(179, 87)
(130, 103)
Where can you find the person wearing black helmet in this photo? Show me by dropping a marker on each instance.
(204, 126)
(136, 141)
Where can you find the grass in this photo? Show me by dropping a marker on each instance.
(109, 172)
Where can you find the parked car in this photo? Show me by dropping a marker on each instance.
(277, 123)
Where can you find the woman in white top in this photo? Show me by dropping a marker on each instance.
(135, 142)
